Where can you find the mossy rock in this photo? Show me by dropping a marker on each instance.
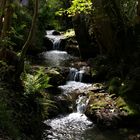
(56, 78)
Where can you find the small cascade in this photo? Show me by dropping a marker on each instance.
(56, 44)
(79, 76)
(56, 39)
(75, 74)
(82, 103)
(72, 74)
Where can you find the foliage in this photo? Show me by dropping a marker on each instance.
(130, 88)
(7, 124)
(47, 16)
(114, 85)
(18, 30)
(129, 10)
(36, 83)
(77, 7)
(80, 6)
(7, 42)
(5, 70)
(20, 115)
(47, 104)
(124, 106)
(69, 33)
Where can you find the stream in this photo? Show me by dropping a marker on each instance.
(73, 126)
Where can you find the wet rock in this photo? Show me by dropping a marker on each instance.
(48, 43)
(62, 106)
(87, 77)
(72, 47)
(109, 111)
(56, 77)
(64, 71)
(53, 90)
(99, 67)
(102, 109)
(56, 32)
(79, 64)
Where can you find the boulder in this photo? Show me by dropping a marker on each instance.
(56, 32)
(48, 43)
(72, 47)
(62, 106)
(64, 71)
(109, 111)
(102, 110)
(56, 77)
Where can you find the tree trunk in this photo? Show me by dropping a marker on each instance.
(2, 8)
(82, 35)
(7, 19)
(138, 10)
(20, 66)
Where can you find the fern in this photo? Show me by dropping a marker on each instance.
(37, 82)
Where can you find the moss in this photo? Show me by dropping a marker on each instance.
(125, 106)
(130, 88)
(99, 104)
(120, 102)
(114, 85)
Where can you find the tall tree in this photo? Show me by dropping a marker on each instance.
(20, 66)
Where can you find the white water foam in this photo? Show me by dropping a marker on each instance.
(69, 127)
(73, 85)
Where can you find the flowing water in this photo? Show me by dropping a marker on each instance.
(56, 58)
(75, 74)
(56, 39)
(74, 126)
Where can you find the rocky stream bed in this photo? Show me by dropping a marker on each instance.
(85, 109)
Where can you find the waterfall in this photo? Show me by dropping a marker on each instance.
(75, 75)
(82, 103)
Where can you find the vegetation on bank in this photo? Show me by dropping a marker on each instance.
(21, 113)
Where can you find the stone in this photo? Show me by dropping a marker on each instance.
(72, 46)
(56, 77)
(48, 43)
(56, 32)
